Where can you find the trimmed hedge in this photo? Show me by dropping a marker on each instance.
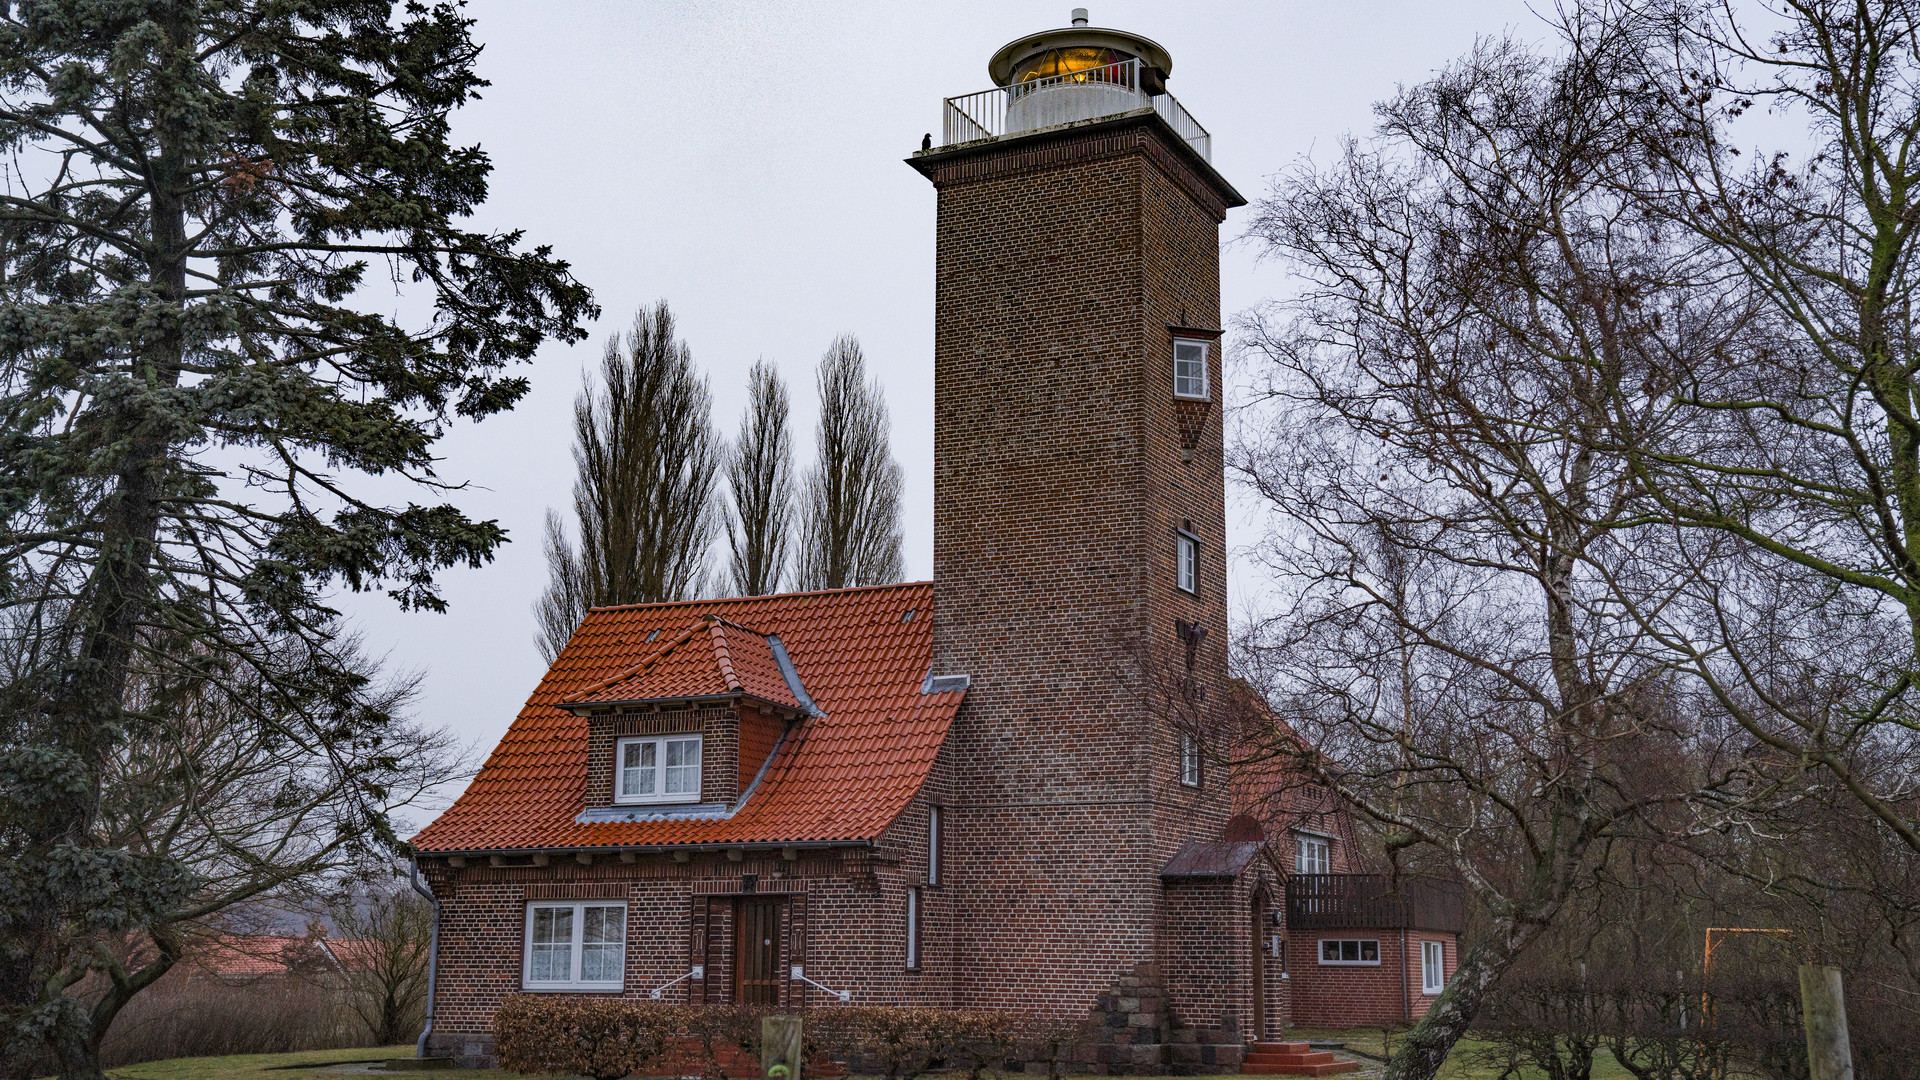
(608, 1038)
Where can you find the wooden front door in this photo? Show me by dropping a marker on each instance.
(756, 951)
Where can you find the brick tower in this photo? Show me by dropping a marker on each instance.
(1079, 519)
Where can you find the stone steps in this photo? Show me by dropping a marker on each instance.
(1293, 1059)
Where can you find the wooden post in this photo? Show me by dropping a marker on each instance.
(780, 1045)
(1824, 1010)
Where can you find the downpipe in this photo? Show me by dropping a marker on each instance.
(433, 956)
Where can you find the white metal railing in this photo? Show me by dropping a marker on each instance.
(1064, 99)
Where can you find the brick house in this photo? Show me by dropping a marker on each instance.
(962, 792)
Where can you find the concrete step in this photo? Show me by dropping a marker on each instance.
(1325, 1068)
(1317, 1058)
(1280, 1047)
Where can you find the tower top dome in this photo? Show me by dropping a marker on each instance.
(1073, 48)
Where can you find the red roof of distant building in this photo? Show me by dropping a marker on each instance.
(861, 655)
(249, 955)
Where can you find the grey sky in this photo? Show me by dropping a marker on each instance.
(743, 161)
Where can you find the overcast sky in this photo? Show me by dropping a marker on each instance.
(744, 162)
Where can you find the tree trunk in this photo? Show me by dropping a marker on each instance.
(1425, 1048)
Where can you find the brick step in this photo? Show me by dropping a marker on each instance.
(1324, 1068)
(1293, 1059)
(1311, 1057)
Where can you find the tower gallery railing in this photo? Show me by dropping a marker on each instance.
(1064, 99)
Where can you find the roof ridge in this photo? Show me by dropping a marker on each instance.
(762, 596)
(717, 635)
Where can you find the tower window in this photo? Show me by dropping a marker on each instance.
(933, 845)
(1186, 547)
(1189, 759)
(1189, 368)
(1312, 854)
(913, 929)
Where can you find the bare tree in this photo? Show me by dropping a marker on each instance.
(259, 797)
(760, 476)
(1797, 475)
(1461, 558)
(646, 458)
(382, 936)
(850, 508)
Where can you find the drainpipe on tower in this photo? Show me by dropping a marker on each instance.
(433, 957)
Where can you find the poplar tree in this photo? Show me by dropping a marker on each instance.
(192, 397)
(760, 476)
(647, 460)
(850, 510)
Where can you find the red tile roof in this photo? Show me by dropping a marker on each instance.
(861, 655)
(710, 658)
(248, 955)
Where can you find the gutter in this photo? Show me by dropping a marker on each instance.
(433, 957)
(645, 849)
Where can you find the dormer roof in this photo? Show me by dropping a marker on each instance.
(713, 657)
(843, 772)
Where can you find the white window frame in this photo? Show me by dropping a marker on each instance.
(1191, 393)
(933, 845)
(1433, 967)
(1186, 561)
(913, 928)
(576, 952)
(659, 794)
(1303, 842)
(1320, 951)
(1189, 759)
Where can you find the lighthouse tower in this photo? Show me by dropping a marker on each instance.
(1079, 528)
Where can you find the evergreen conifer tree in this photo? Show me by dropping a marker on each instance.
(190, 401)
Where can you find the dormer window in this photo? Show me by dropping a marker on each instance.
(665, 769)
(1190, 368)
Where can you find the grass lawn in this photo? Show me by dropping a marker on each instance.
(1369, 1041)
(296, 1066)
(311, 1063)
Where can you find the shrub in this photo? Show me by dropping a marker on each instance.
(607, 1038)
(206, 1017)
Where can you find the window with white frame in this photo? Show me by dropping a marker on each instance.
(1433, 967)
(1336, 951)
(913, 929)
(664, 768)
(1189, 368)
(1189, 759)
(1187, 562)
(933, 845)
(1312, 854)
(575, 945)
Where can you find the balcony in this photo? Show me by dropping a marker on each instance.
(1374, 902)
(1092, 94)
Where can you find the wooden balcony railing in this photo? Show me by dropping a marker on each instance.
(1374, 902)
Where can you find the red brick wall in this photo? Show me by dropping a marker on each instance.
(1060, 475)
(1339, 996)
